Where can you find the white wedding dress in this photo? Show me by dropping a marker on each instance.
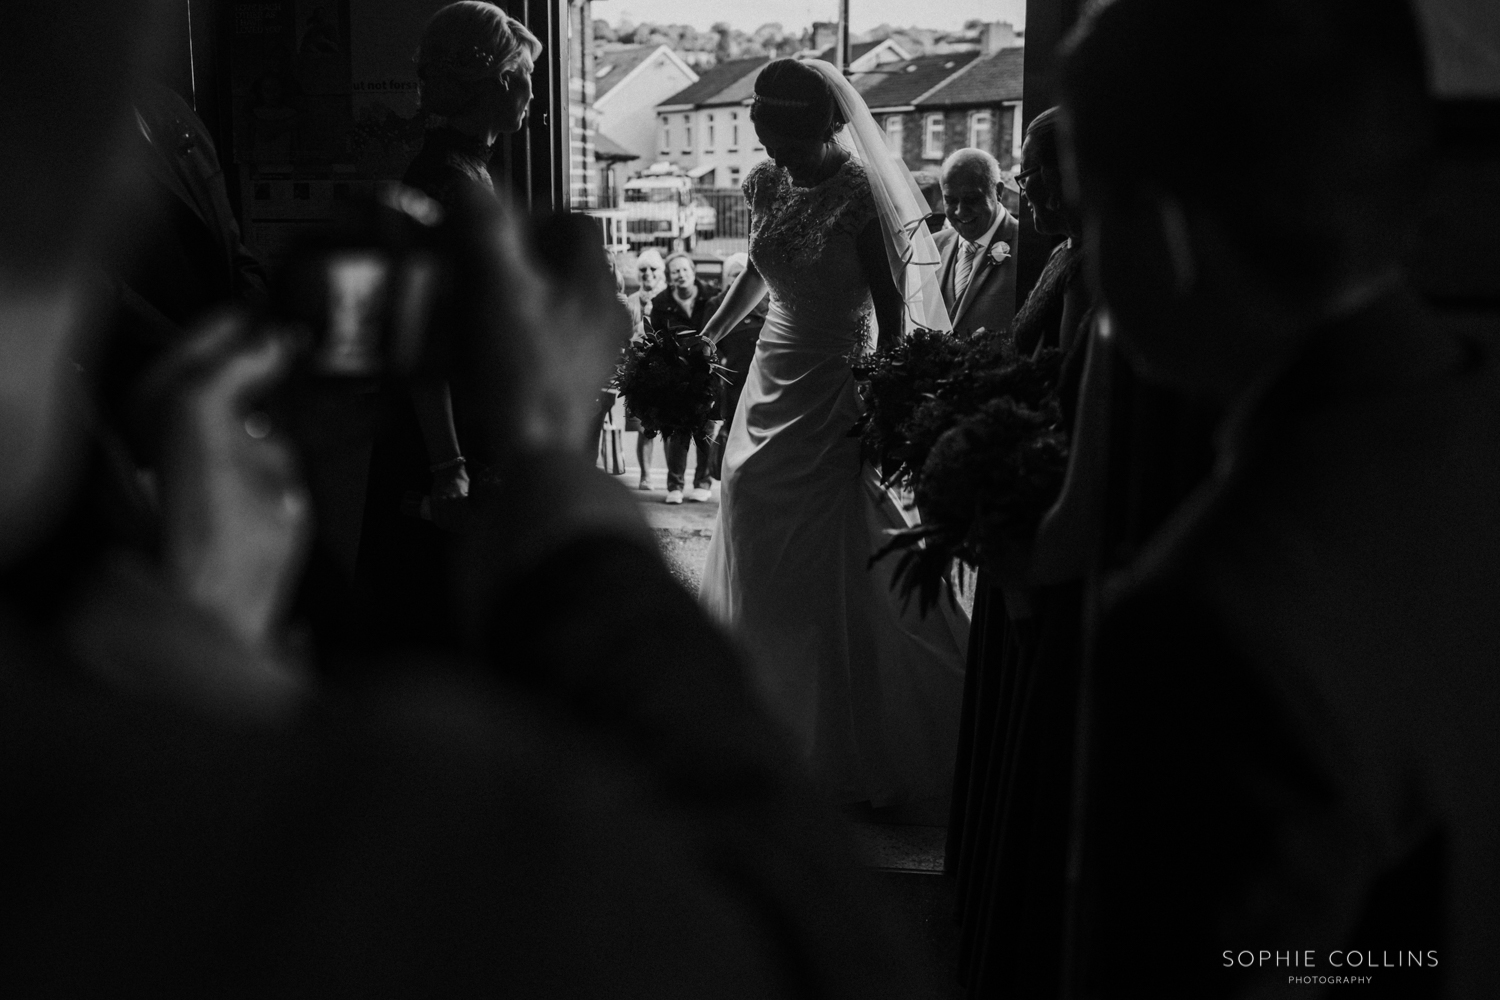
(870, 691)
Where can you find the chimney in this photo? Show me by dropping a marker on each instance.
(998, 35)
(825, 35)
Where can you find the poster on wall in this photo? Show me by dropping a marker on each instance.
(383, 70)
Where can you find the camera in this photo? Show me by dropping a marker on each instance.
(369, 294)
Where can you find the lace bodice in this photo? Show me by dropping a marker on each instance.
(802, 241)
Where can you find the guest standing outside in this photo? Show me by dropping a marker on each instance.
(651, 271)
(682, 309)
(978, 269)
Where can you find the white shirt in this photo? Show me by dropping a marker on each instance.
(960, 280)
(989, 234)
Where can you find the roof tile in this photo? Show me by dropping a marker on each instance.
(727, 83)
(900, 84)
(620, 61)
(985, 81)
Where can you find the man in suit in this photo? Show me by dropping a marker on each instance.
(682, 308)
(1290, 747)
(978, 270)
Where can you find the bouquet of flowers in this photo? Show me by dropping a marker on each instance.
(982, 449)
(669, 384)
(893, 383)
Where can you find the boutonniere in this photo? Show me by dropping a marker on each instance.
(999, 251)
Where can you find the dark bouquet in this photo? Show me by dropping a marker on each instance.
(669, 384)
(893, 383)
(983, 452)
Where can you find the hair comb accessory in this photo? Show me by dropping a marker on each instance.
(782, 102)
(464, 62)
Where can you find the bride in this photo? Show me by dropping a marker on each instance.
(869, 689)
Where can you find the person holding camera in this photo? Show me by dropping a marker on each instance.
(474, 67)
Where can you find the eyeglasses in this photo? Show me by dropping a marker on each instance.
(1020, 179)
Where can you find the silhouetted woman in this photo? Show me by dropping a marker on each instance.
(474, 67)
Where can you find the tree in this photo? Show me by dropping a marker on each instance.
(725, 47)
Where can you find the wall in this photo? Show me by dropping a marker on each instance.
(627, 114)
(748, 153)
(583, 180)
(956, 135)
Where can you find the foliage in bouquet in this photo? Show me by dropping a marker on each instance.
(994, 457)
(669, 385)
(894, 382)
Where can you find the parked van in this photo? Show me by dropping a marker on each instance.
(659, 208)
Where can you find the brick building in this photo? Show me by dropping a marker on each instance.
(935, 104)
(978, 106)
(705, 128)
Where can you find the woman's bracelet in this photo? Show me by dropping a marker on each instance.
(452, 463)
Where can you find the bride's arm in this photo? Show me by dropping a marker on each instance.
(870, 245)
(749, 288)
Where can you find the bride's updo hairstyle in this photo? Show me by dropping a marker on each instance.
(465, 45)
(793, 99)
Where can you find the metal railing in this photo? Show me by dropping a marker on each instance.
(729, 230)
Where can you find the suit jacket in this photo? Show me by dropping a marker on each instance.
(990, 299)
(1291, 739)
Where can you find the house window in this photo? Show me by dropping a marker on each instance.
(1015, 129)
(932, 137)
(981, 130)
(687, 133)
(708, 144)
(666, 136)
(734, 177)
(895, 132)
(734, 131)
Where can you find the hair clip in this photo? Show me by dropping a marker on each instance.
(782, 102)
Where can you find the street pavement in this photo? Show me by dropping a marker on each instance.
(685, 529)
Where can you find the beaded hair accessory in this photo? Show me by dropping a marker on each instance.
(466, 62)
(782, 102)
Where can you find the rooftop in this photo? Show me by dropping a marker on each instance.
(611, 65)
(899, 84)
(606, 148)
(856, 49)
(727, 83)
(993, 78)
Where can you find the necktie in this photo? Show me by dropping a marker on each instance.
(965, 271)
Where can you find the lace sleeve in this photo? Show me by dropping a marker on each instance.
(759, 186)
(859, 210)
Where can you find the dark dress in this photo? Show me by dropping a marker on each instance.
(402, 591)
(1291, 693)
(1008, 829)
(668, 317)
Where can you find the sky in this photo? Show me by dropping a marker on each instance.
(863, 14)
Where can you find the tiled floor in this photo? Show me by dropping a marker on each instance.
(901, 848)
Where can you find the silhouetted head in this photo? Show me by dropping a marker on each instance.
(1238, 161)
(475, 63)
(1040, 178)
(795, 116)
